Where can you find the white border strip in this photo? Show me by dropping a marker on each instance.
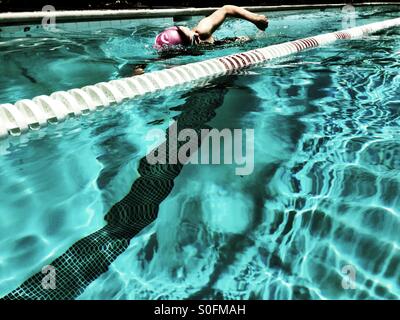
(59, 106)
(85, 15)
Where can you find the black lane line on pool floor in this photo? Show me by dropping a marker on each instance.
(91, 256)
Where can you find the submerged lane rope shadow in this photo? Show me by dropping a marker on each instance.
(91, 256)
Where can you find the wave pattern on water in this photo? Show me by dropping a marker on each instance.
(324, 193)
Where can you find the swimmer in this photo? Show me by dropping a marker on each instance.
(180, 40)
(181, 36)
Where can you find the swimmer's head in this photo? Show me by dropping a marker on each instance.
(176, 36)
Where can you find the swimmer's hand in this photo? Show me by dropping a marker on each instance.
(243, 39)
(261, 22)
(137, 71)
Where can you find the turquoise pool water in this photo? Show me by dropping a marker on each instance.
(324, 193)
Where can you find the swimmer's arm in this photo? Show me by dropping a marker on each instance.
(208, 25)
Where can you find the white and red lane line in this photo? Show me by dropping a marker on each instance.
(241, 60)
(311, 42)
(236, 62)
(225, 63)
(229, 65)
(259, 54)
(343, 35)
(298, 46)
(247, 58)
(252, 56)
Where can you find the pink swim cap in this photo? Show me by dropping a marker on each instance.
(169, 37)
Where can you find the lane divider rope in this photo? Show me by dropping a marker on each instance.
(36, 113)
